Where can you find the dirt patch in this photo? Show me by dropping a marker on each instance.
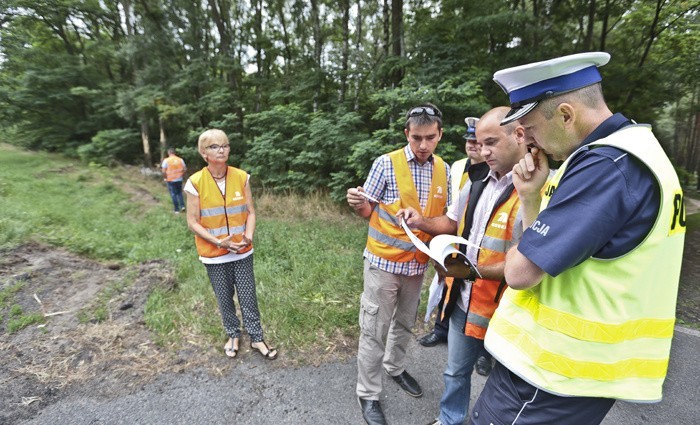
(140, 184)
(43, 362)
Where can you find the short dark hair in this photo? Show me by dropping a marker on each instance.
(590, 96)
(423, 118)
(171, 149)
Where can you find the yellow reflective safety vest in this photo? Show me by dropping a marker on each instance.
(459, 176)
(386, 238)
(221, 214)
(604, 327)
(485, 293)
(175, 169)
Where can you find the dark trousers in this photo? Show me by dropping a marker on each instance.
(227, 279)
(175, 189)
(509, 400)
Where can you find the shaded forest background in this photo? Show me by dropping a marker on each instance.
(310, 92)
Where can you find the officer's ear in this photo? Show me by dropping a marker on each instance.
(566, 113)
(519, 133)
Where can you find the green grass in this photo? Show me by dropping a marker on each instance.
(308, 277)
(18, 320)
(692, 222)
(7, 294)
(308, 251)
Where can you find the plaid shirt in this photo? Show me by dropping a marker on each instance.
(381, 185)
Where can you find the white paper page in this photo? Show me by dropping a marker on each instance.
(440, 246)
(445, 243)
(440, 243)
(419, 243)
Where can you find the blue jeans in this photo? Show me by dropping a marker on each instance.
(175, 189)
(462, 352)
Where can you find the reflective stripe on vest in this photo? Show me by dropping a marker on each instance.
(174, 170)
(220, 218)
(494, 245)
(385, 238)
(604, 327)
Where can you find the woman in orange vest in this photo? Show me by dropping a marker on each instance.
(220, 213)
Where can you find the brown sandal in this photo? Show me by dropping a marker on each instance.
(268, 355)
(230, 350)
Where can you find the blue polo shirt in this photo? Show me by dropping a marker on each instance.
(604, 206)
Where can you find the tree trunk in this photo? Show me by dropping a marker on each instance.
(604, 25)
(144, 140)
(358, 47)
(257, 28)
(536, 15)
(647, 48)
(346, 50)
(386, 20)
(588, 40)
(163, 139)
(397, 40)
(287, 52)
(318, 51)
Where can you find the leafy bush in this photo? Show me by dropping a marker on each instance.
(684, 176)
(293, 150)
(110, 146)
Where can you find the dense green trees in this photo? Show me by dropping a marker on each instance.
(310, 92)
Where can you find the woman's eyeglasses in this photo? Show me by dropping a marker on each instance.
(217, 147)
(424, 110)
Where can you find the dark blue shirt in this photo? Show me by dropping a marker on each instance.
(604, 206)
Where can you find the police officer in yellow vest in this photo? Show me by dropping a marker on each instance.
(393, 268)
(589, 314)
(487, 216)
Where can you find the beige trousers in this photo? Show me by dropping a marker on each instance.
(388, 309)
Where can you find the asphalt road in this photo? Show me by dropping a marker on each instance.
(256, 392)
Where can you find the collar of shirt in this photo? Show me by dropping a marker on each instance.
(607, 127)
(492, 175)
(410, 156)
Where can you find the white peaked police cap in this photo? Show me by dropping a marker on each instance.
(471, 128)
(527, 85)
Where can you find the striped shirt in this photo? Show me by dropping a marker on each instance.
(381, 185)
(495, 187)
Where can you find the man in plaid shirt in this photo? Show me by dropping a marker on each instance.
(393, 268)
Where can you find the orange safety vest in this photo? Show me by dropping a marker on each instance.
(386, 238)
(221, 214)
(175, 168)
(485, 293)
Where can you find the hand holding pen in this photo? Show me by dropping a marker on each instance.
(358, 199)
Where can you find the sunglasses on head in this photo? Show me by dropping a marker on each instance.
(420, 110)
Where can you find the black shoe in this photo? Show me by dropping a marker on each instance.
(372, 412)
(431, 340)
(407, 383)
(483, 366)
